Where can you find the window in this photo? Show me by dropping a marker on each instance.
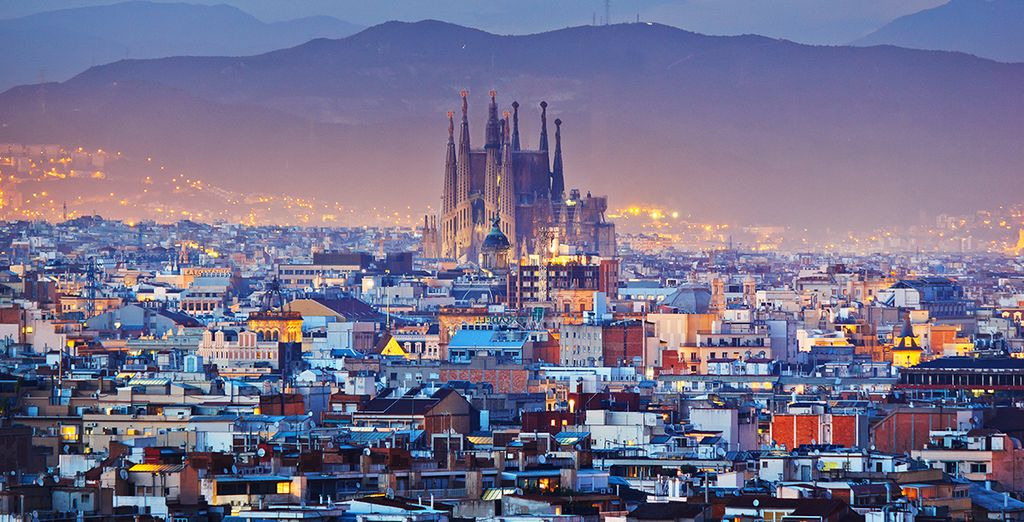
(69, 433)
(977, 467)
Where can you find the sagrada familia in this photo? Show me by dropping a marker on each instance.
(508, 190)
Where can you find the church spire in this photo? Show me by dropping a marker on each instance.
(506, 186)
(557, 178)
(463, 177)
(543, 126)
(544, 143)
(507, 137)
(493, 127)
(515, 126)
(450, 176)
(464, 131)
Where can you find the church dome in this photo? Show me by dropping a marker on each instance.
(496, 240)
(689, 300)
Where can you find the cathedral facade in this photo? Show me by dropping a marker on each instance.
(520, 191)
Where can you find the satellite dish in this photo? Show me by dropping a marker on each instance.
(366, 451)
(123, 473)
(41, 481)
(234, 469)
(541, 459)
(390, 493)
(67, 448)
(756, 502)
(262, 452)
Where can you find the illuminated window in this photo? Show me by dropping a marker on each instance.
(284, 488)
(69, 433)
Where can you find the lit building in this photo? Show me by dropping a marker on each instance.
(906, 350)
(524, 190)
(279, 326)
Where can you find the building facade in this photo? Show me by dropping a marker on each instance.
(523, 190)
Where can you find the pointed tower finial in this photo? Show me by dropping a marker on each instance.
(515, 125)
(544, 125)
(557, 176)
(908, 328)
(464, 131)
(505, 115)
(451, 182)
(493, 127)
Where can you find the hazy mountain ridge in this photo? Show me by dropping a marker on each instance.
(991, 29)
(692, 121)
(56, 45)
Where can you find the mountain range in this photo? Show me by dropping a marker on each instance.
(988, 28)
(56, 45)
(735, 128)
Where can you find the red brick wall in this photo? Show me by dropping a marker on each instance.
(618, 340)
(905, 431)
(504, 381)
(547, 351)
(844, 430)
(1007, 467)
(671, 365)
(293, 404)
(794, 430)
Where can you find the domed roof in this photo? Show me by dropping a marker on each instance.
(689, 299)
(496, 239)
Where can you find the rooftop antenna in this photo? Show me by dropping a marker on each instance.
(607, 12)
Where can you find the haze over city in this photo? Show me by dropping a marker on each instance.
(687, 117)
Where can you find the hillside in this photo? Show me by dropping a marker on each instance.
(991, 29)
(744, 128)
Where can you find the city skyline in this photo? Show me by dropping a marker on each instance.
(453, 261)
